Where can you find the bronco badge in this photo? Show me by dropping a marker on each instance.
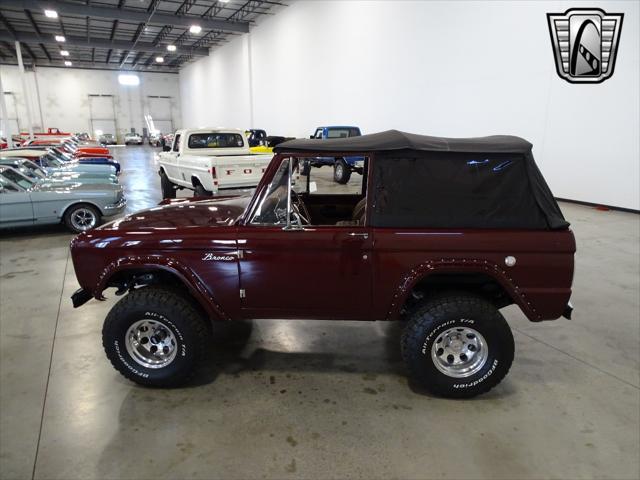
(585, 43)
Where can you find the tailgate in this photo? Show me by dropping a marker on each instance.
(241, 170)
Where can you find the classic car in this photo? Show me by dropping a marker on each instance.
(79, 206)
(54, 158)
(442, 233)
(155, 139)
(131, 138)
(37, 173)
(343, 167)
(107, 139)
(71, 147)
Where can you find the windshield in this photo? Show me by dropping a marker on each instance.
(59, 154)
(18, 179)
(272, 208)
(342, 132)
(51, 161)
(31, 170)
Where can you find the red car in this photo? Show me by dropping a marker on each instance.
(439, 233)
(71, 147)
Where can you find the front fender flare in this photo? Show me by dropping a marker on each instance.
(187, 276)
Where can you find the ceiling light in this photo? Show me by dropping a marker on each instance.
(64, 53)
(171, 48)
(124, 79)
(195, 29)
(159, 59)
(68, 63)
(51, 14)
(60, 38)
(223, 1)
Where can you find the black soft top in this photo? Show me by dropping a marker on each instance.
(392, 140)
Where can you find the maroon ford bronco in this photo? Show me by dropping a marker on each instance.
(438, 233)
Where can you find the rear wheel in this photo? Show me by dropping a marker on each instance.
(82, 217)
(155, 337)
(341, 171)
(168, 190)
(457, 345)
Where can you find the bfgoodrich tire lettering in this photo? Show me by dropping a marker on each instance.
(454, 313)
(183, 323)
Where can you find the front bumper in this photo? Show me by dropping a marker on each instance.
(115, 208)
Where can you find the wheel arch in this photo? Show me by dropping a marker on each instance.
(478, 277)
(138, 272)
(75, 203)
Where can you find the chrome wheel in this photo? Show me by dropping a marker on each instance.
(151, 343)
(83, 219)
(339, 170)
(459, 352)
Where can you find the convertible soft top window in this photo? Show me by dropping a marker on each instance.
(215, 140)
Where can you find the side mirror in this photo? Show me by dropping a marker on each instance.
(166, 148)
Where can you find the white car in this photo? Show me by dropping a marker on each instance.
(132, 139)
(206, 160)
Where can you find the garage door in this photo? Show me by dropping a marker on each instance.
(161, 118)
(102, 114)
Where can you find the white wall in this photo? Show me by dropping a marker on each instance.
(440, 68)
(64, 96)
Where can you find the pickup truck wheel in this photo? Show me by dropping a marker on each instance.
(341, 171)
(168, 190)
(457, 345)
(200, 191)
(82, 217)
(155, 337)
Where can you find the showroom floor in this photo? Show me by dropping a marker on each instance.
(307, 399)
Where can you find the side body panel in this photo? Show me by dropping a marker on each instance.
(539, 282)
(15, 209)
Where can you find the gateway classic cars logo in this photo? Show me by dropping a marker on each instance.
(585, 43)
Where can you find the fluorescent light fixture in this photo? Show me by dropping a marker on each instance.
(126, 79)
(60, 38)
(68, 63)
(159, 59)
(50, 14)
(195, 29)
(171, 48)
(64, 53)
(223, 1)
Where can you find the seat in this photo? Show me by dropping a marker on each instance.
(357, 217)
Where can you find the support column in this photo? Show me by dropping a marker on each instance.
(6, 126)
(24, 90)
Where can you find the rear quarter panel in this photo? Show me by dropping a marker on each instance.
(540, 281)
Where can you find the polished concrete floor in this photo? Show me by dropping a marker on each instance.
(304, 399)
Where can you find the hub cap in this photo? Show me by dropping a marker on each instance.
(83, 219)
(151, 343)
(459, 352)
(339, 169)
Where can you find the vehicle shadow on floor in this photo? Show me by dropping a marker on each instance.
(237, 348)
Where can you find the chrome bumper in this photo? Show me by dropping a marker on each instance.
(116, 207)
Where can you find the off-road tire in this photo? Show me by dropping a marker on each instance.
(171, 308)
(433, 317)
(168, 190)
(341, 171)
(68, 214)
(200, 191)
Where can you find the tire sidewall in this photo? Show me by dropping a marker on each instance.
(114, 337)
(498, 339)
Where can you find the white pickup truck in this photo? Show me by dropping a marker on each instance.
(206, 160)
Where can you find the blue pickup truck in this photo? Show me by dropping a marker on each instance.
(342, 167)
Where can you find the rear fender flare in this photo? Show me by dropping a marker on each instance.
(188, 277)
(458, 265)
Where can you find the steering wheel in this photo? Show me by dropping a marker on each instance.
(300, 208)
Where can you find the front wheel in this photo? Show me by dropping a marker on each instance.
(155, 337)
(341, 171)
(457, 345)
(82, 217)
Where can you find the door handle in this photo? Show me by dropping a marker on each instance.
(362, 235)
